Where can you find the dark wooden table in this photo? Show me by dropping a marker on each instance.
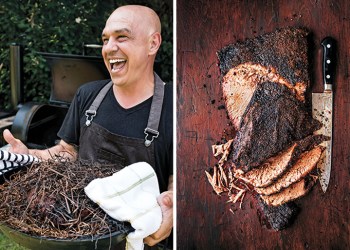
(204, 220)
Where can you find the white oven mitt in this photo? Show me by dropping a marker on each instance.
(130, 195)
(10, 161)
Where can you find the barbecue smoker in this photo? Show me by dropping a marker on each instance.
(36, 124)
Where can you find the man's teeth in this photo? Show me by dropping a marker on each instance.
(116, 60)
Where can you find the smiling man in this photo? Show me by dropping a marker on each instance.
(126, 119)
(130, 43)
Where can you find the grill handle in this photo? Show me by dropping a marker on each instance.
(92, 46)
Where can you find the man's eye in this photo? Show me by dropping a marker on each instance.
(122, 38)
(105, 41)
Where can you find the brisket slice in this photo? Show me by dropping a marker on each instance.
(273, 120)
(239, 85)
(275, 166)
(286, 50)
(279, 217)
(294, 191)
(269, 170)
(305, 164)
(280, 56)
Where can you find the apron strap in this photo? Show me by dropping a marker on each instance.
(154, 117)
(156, 110)
(91, 112)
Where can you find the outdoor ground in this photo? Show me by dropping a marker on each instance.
(6, 244)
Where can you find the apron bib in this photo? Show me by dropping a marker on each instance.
(97, 144)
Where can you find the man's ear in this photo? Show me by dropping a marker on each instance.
(155, 41)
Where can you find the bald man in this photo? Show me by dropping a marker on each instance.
(127, 118)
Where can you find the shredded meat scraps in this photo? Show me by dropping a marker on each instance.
(219, 180)
(222, 149)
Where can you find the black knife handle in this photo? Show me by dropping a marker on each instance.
(329, 62)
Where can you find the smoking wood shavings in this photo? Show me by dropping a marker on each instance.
(48, 199)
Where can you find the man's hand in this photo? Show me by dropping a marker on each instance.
(62, 149)
(165, 201)
(16, 145)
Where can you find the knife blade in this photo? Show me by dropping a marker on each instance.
(322, 109)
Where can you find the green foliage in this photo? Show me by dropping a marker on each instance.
(62, 27)
(6, 244)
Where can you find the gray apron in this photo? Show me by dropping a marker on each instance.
(97, 144)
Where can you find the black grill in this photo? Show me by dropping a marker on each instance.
(37, 124)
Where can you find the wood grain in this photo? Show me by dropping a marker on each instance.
(204, 220)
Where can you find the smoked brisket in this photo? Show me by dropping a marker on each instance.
(240, 83)
(280, 56)
(279, 217)
(291, 193)
(264, 82)
(305, 164)
(286, 50)
(273, 120)
(275, 166)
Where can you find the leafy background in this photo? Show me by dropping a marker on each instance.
(62, 27)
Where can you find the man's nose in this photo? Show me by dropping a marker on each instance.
(111, 46)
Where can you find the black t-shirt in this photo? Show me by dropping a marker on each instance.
(125, 122)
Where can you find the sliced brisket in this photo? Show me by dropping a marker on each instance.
(270, 170)
(280, 57)
(291, 193)
(273, 120)
(275, 166)
(240, 83)
(264, 82)
(305, 164)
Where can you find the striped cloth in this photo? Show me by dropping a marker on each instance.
(130, 195)
(10, 161)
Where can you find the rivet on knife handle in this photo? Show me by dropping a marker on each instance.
(329, 62)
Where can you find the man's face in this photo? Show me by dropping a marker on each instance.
(125, 47)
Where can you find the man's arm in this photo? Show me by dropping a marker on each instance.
(62, 149)
(171, 183)
(165, 201)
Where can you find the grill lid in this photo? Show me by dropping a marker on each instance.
(69, 72)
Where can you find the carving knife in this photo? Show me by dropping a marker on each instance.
(322, 109)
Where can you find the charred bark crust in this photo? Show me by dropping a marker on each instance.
(284, 49)
(280, 217)
(273, 120)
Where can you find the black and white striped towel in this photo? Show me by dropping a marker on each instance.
(10, 161)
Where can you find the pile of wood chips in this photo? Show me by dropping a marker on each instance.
(48, 199)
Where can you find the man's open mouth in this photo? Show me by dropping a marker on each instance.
(117, 64)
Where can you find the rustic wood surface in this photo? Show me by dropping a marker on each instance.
(204, 220)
